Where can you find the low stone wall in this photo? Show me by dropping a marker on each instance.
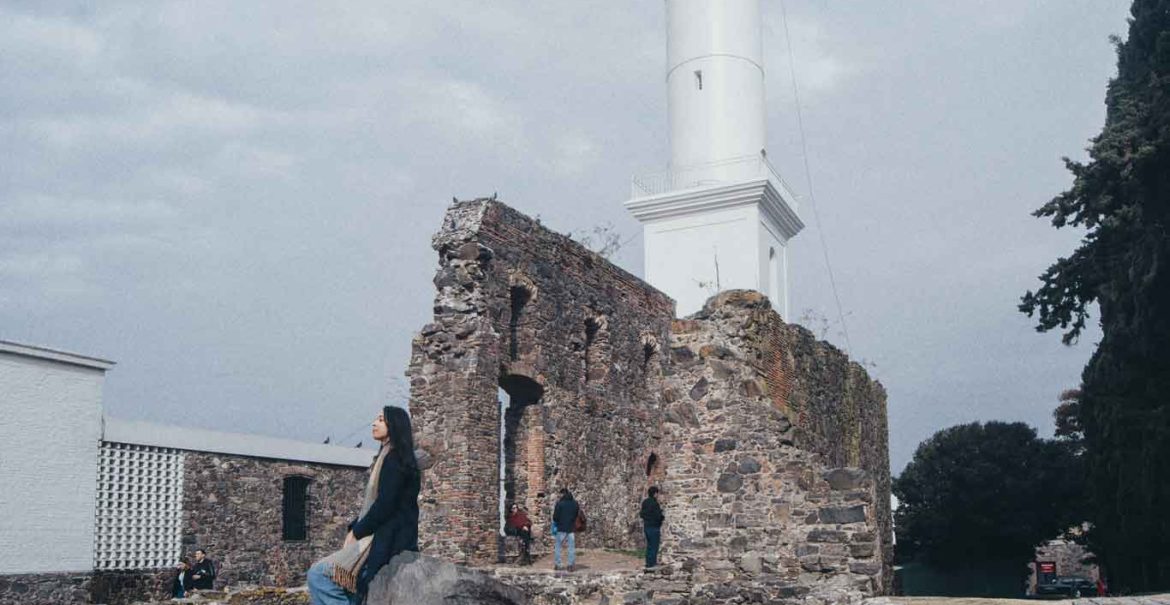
(44, 589)
(232, 508)
(121, 587)
(109, 588)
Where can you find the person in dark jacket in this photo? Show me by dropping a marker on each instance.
(652, 518)
(520, 525)
(203, 572)
(388, 524)
(182, 581)
(565, 528)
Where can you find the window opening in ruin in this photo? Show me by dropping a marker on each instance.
(516, 393)
(591, 329)
(294, 517)
(520, 297)
(699, 79)
(651, 464)
(595, 355)
(649, 354)
(773, 278)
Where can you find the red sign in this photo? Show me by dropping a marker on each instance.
(1048, 567)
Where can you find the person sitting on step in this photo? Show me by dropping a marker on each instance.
(520, 525)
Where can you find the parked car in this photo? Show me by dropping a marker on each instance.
(1067, 586)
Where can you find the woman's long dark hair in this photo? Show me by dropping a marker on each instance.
(401, 436)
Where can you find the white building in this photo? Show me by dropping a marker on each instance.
(51, 428)
(720, 217)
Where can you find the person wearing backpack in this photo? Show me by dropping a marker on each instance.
(565, 518)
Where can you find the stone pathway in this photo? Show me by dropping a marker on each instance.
(1158, 599)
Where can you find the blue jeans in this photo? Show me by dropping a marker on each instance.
(562, 538)
(324, 591)
(653, 541)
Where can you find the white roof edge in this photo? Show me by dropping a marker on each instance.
(136, 432)
(17, 348)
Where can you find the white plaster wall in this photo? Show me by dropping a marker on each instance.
(50, 427)
(774, 275)
(681, 253)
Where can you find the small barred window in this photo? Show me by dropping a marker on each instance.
(296, 507)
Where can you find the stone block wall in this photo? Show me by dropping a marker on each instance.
(574, 342)
(742, 499)
(107, 587)
(836, 410)
(44, 588)
(232, 508)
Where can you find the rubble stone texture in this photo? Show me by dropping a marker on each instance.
(232, 507)
(770, 446)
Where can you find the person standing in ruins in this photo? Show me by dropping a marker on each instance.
(388, 524)
(652, 518)
(565, 528)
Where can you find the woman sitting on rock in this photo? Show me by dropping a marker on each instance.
(388, 524)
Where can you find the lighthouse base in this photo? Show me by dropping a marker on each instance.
(704, 240)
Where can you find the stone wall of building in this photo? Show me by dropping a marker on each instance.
(44, 589)
(836, 410)
(232, 508)
(742, 499)
(573, 341)
(122, 587)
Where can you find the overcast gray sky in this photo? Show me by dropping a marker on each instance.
(234, 200)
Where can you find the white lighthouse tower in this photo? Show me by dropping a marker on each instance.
(720, 217)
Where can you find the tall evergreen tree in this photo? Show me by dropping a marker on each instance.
(1122, 197)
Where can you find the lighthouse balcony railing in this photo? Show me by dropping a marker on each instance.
(710, 174)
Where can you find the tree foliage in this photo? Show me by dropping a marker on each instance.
(1122, 198)
(976, 493)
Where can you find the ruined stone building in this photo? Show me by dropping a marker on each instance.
(769, 445)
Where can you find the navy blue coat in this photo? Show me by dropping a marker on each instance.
(392, 518)
(565, 515)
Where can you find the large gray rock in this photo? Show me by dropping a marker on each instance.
(412, 579)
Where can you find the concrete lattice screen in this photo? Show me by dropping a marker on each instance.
(139, 507)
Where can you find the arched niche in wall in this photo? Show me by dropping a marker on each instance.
(521, 464)
(521, 294)
(651, 358)
(596, 349)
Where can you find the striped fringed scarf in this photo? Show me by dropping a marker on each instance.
(347, 562)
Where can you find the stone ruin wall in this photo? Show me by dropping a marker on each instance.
(745, 501)
(771, 447)
(574, 341)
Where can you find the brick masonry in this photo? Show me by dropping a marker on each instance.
(771, 447)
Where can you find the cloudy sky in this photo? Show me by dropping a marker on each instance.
(234, 200)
